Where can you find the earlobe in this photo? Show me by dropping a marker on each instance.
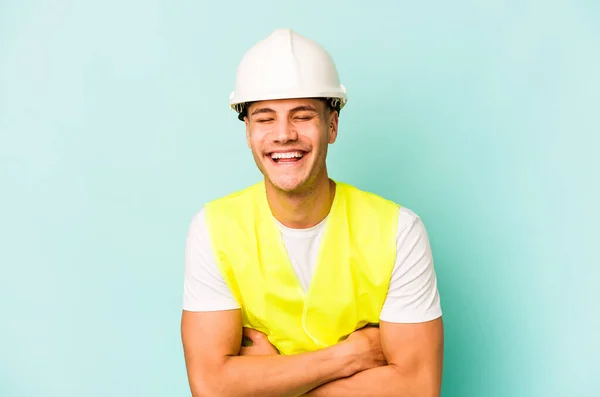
(332, 135)
(333, 129)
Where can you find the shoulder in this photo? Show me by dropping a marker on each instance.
(411, 228)
(367, 201)
(197, 226)
(233, 206)
(213, 207)
(407, 218)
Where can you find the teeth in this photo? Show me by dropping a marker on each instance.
(286, 155)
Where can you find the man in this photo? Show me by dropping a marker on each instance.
(301, 285)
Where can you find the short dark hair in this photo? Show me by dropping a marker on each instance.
(334, 104)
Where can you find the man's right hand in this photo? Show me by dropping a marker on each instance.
(212, 342)
(366, 344)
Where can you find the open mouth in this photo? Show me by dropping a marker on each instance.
(287, 157)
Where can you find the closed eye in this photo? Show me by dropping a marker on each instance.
(303, 117)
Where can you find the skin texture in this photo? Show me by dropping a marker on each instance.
(300, 196)
(392, 360)
(212, 348)
(413, 367)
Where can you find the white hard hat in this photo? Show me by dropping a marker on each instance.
(286, 65)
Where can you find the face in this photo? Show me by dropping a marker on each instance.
(289, 140)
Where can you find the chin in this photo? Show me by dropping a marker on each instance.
(287, 184)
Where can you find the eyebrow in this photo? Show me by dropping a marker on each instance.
(262, 110)
(296, 109)
(303, 109)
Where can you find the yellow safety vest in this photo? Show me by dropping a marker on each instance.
(351, 276)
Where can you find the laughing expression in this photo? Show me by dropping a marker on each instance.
(289, 140)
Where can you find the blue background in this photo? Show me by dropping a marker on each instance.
(481, 116)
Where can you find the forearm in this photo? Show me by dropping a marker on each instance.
(381, 381)
(277, 376)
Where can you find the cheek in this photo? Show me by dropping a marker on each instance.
(315, 135)
(256, 144)
(322, 138)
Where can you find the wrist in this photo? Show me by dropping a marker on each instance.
(350, 358)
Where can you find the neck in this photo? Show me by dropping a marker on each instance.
(302, 210)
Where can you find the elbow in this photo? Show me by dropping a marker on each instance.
(412, 389)
(429, 386)
(207, 380)
(203, 389)
(212, 384)
(415, 383)
(425, 390)
(206, 385)
(210, 388)
(216, 379)
(429, 391)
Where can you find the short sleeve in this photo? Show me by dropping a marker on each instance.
(204, 288)
(413, 295)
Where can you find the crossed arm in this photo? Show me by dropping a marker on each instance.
(412, 366)
(414, 355)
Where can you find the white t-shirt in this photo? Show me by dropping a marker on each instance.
(412, 296)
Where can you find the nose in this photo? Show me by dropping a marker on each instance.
(284, 131)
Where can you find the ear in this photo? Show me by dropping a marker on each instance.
(333, 125)
(247, 123)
